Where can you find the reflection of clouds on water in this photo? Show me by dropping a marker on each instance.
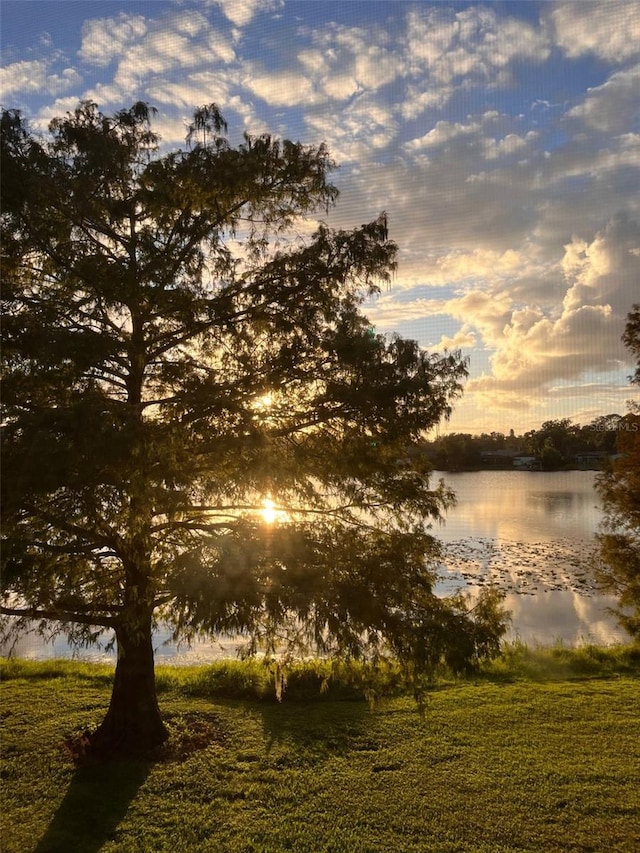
(522, 505)
(549, 587)
(34, 647)
(531, 534)
(560, 616)
(544, 617)
(564, 616)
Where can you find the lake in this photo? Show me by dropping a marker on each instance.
(531, 533)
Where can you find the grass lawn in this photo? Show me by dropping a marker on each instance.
(496, 765)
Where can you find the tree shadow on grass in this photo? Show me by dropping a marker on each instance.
(316, 730)
(95, 803)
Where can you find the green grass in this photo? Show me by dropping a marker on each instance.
(316, 680)
(519, 661)
(540, 753)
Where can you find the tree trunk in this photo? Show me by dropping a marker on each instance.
(133, 724)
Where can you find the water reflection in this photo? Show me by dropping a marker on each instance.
(522, 505)
(570, 617)
(531, 534)
(33, 647)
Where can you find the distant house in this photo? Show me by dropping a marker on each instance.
(499, 458)
(592, 460)
(527, 463)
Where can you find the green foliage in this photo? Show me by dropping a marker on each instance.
(22, 668)
(619, 489)
(631, 339)
(521, 662)
(456, 451)
(550, 456)
(555, 443)
(175, 356)
(316, 680)
(308, 681)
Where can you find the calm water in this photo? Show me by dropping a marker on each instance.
(532, 534)
(528, 532)
(527, 506)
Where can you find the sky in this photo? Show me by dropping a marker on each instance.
(502, 139)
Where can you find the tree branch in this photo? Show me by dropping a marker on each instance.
(60, 616)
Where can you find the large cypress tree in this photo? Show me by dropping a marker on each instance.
(176, 360)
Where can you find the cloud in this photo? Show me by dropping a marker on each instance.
(608, 30)
(580, 334)
(441, 134)
(527, 344)
(345, 60)
(106, 39)
(242, 12)
(191, 90)
(614, 106)
(334, 64)
(147, 51)
(510, 144)
(462, 185)
(485, 264)
(171, 48)
(389, 313)
(355, 132)
(281, 89)
(503, 187)
(605, 270)
(464, 337)
(59, 107)
(25, 77)
(421, 97)
(446, 50)
(489, 312)
(491, 148)
(488, 183)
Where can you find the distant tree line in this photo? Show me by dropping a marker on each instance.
(555, 445)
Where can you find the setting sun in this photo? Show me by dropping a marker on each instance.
(269, 512)
(265, 401)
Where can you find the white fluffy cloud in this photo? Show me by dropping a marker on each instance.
(608, 29)
(615, 105)
(346, 60)
(605, 270)
(185, 41)
(536, 349)
(532, 347)
(495, 149)
(191, 90)
(442, 133)
(242, 12)
(339, 63)
(149, 51)
(355, 132)
(474, 44)
(280, 89)
(22, 78)
(463, 338)
(106, 39)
